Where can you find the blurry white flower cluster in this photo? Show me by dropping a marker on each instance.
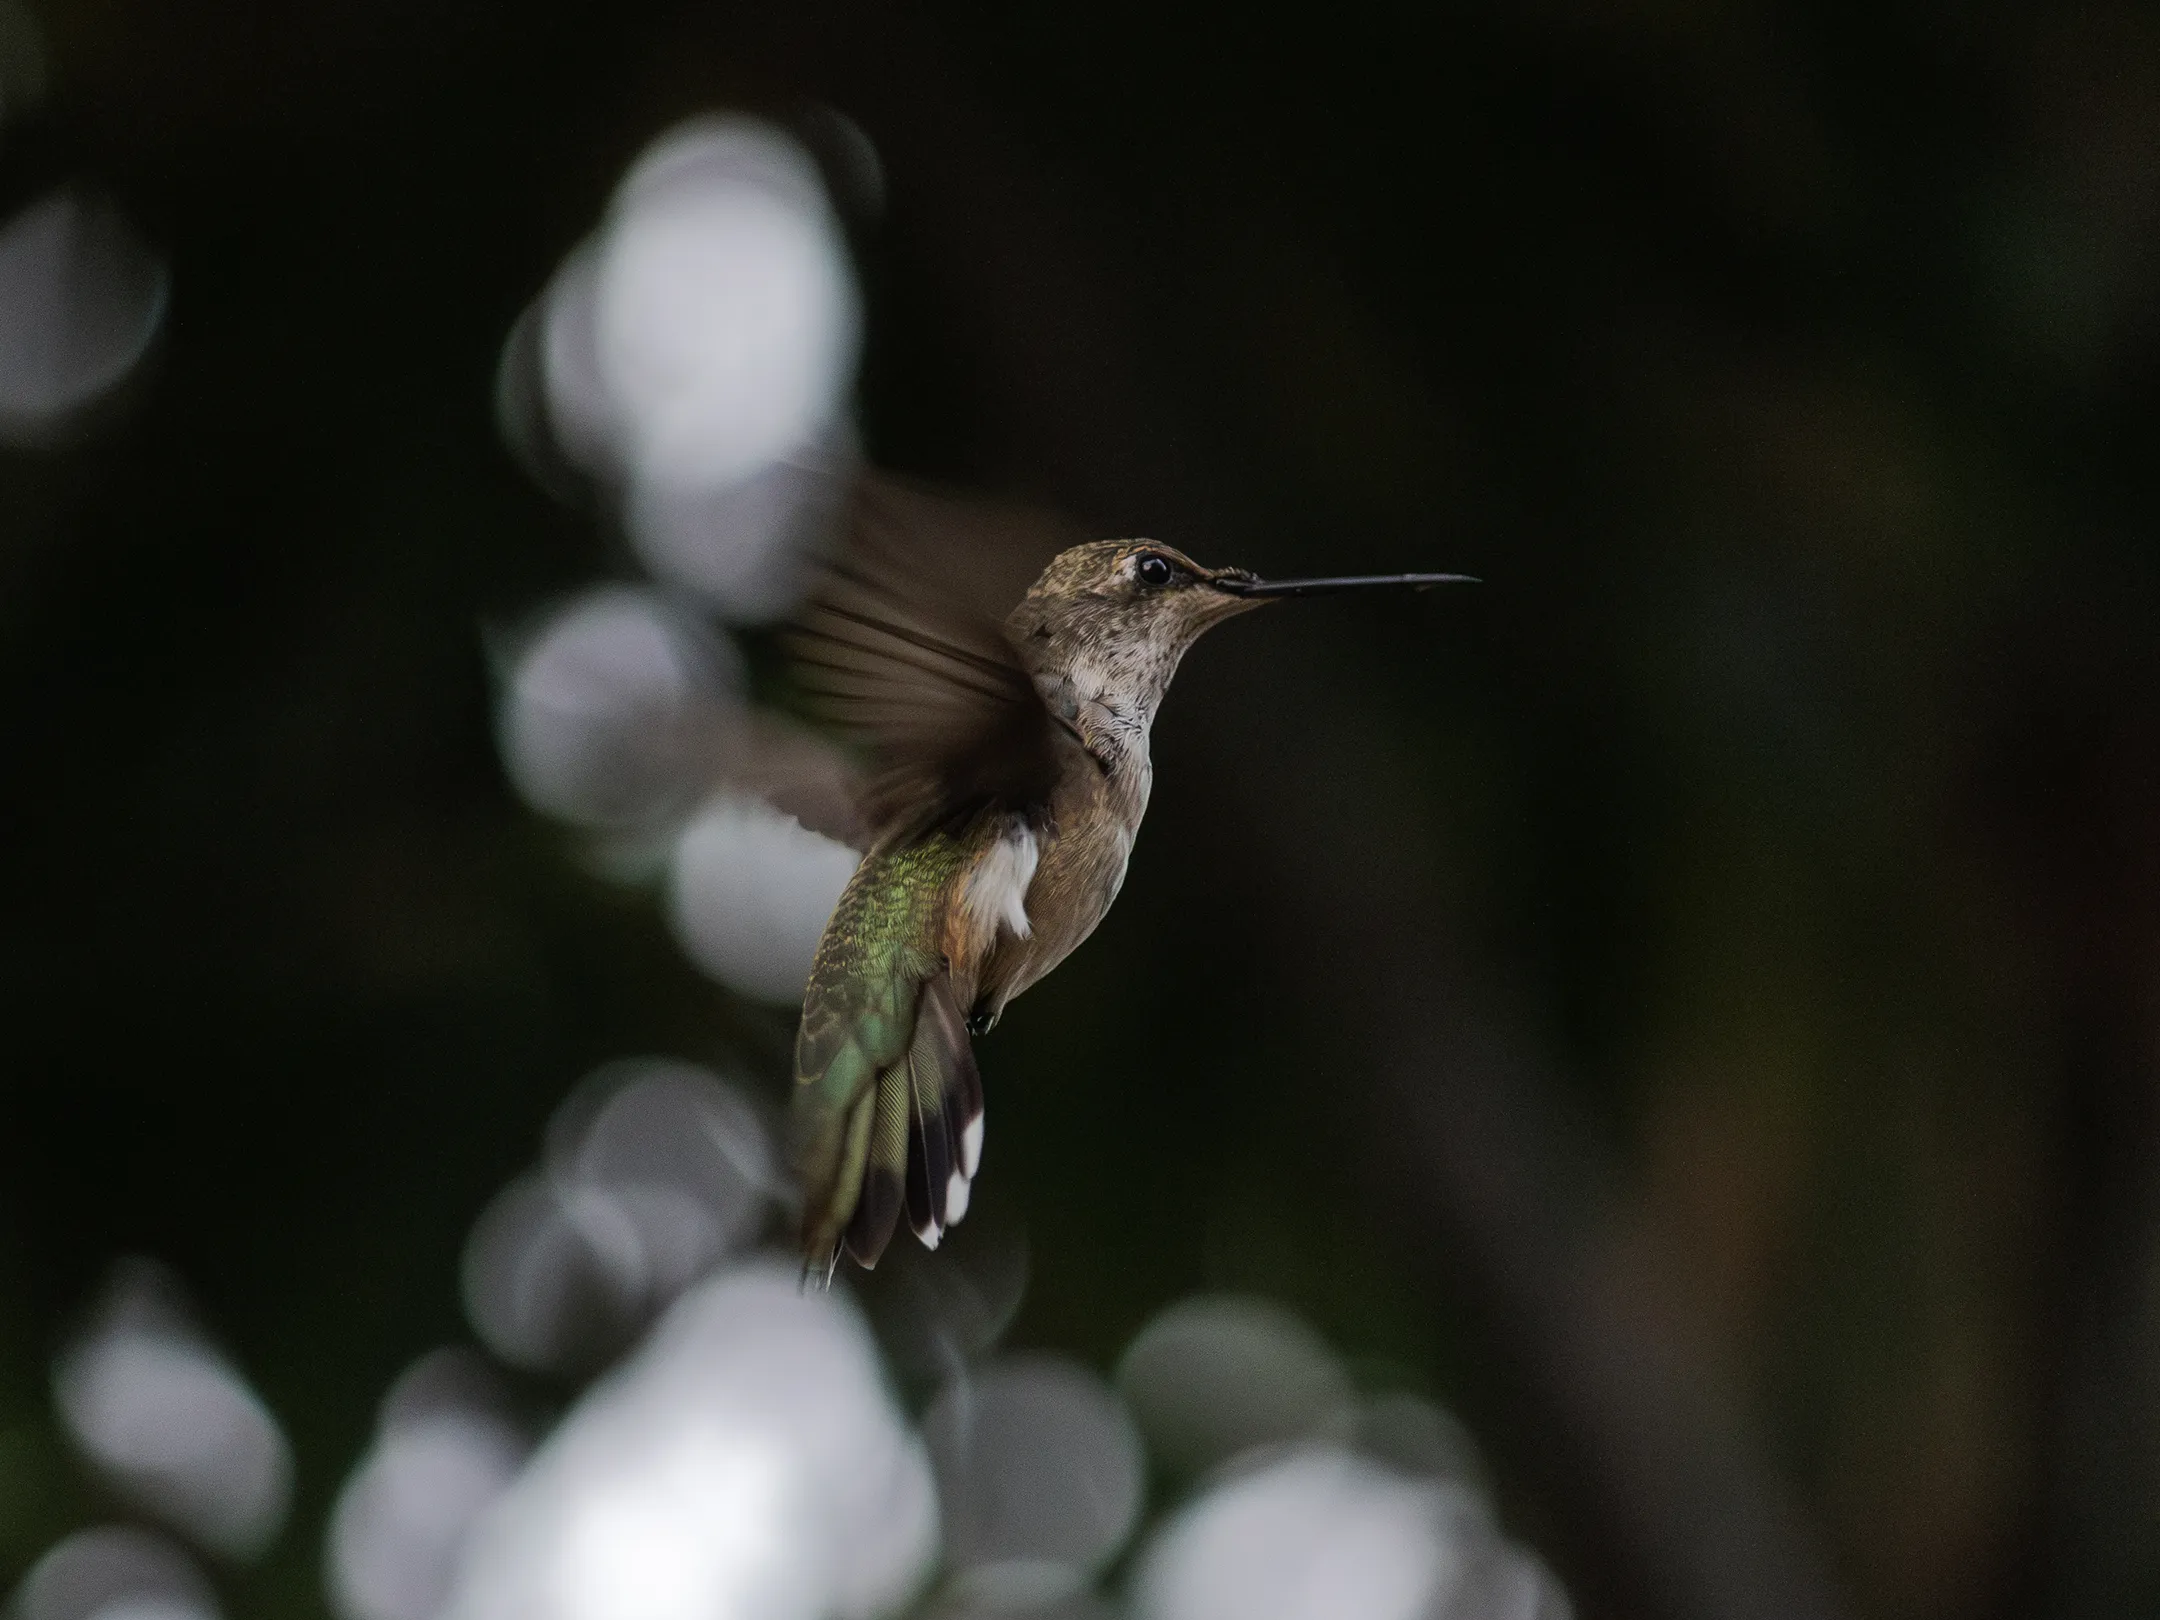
(654, 1172)
(696, 355)
(748, 1449)
(175, 1433)
(445, 1449)
(1315, 1502)
(752, 1456)
(746, 1460)
(689, 365)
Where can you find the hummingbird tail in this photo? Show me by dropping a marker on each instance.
(945, 1144)
(912, 1139)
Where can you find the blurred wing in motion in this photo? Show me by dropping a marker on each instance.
(900, 650)
(804, 775)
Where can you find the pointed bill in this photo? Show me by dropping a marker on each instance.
(1238, 584)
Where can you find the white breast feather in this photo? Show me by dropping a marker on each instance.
(997, 889)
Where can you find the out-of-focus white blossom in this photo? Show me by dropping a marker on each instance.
(1324, 1534)
(619, 714)
(725, 308)
(81, 298)
(936, 1313)
(1417, 1438)
(655, 1171)
(443, 1452)
(1041, 1474)
(746, 1462)
(1216, 1375)
(169, 1422)
(114, 1573)
(749, 891)
(696, 355)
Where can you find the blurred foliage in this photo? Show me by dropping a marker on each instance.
(1789, 373)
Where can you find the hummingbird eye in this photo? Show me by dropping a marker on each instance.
(1153, 568)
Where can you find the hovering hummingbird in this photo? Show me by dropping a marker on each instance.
(1007, 773)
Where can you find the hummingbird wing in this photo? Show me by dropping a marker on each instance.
(901, 650)
(804, 775)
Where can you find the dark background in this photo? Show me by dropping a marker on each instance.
(1693, 1004)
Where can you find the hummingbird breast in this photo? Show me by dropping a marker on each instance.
(1080, 853)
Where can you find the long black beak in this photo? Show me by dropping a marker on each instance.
(1239, 585)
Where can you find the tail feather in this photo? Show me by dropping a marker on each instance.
(912, 1139)
(826, 1219)
(884, 1175)
(948, 1107)
(929, 1154)
(878, 1024)
(961, 1099)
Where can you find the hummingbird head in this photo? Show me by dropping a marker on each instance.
(1121, 613)
(1128, 606)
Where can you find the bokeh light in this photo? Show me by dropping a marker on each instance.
(618, 713)
(82, 296)
(443, 1453)
(1041, 1475)
(668, 1129)
(855, 172)
(168, 1422)
(725, 309)
(1417, 1438)
(749, 890)
(114, 1573)
(1076, 1606)
(1324, 1534)
(1216, 1375)
(655, 1170)
(697, 354)
(746, 1462)
(935, 1312)
(746, 544)
(571, 389)
(691, 363)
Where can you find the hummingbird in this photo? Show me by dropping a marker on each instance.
(1007, 770)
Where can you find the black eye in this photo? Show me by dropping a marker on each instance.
(1153, 568)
